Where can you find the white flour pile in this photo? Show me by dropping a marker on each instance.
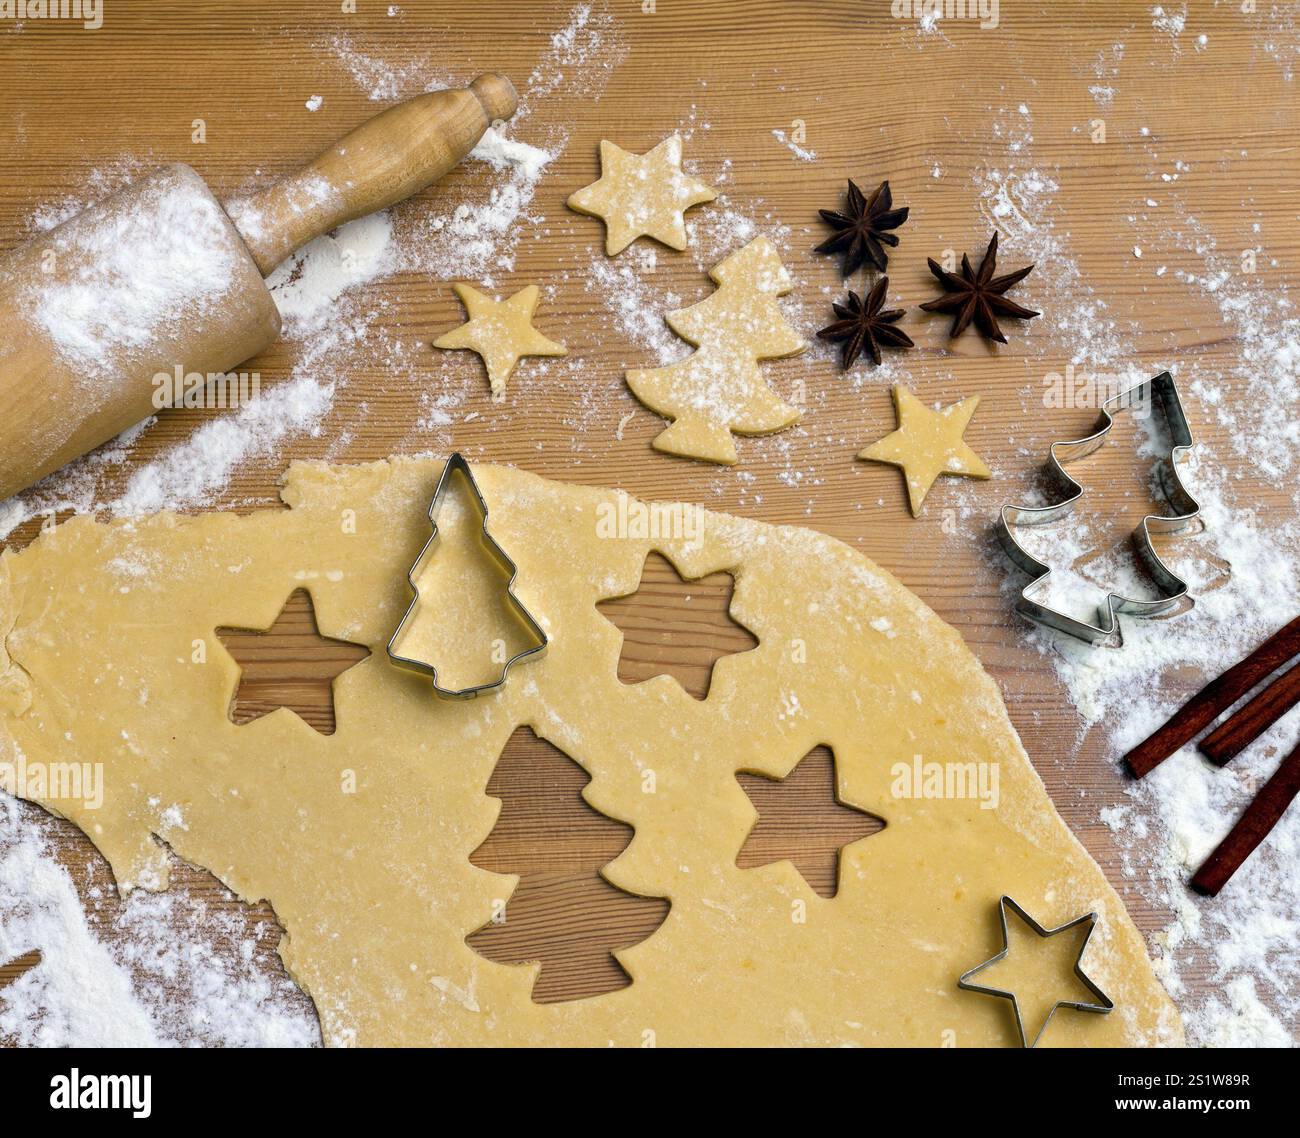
(178, 974)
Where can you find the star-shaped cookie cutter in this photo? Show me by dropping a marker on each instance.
(1172, 588)
(456, 464)
(1104, 1003)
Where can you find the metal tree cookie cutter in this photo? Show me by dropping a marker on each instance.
(1104, 1003)
(1172, 587)
(456, 464)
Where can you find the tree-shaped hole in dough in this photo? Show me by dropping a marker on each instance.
(563, 913)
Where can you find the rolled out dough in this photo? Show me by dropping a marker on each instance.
(102, 626)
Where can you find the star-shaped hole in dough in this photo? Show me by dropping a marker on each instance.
(676, 626)
(1039, 970)
(642, 195)
(289, 665)
(802, 819)
(501, 331)
(928, 443)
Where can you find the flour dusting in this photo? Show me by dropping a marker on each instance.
(1241, 569)
(173, 974)
(167, 255)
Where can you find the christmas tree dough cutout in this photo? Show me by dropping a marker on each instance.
(558, 845)
(642, 195)
(501, 331)
(465, 628)
(719, 389)
(928, 443)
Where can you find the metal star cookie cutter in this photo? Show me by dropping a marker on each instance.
(456, 464)
(1173, 589)
(1104, 1003)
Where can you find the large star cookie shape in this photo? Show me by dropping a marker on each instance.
(642, 195)
(1038, 972)
(928, 443)
(501, 331)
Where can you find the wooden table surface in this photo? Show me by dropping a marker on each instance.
(936, 113)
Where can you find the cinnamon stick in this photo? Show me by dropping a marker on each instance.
(1214, 699)
(1264, 812)
(1247, 724)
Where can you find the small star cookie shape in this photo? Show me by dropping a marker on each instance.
(928, 443)
(501, 331)
(642, 195)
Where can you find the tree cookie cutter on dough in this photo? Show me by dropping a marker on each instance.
(456, 464)
(1173, 589)
(1104, 1003)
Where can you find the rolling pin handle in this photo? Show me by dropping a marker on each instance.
(382, 162)
(497, 94)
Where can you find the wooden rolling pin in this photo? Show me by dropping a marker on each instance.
(160, 280)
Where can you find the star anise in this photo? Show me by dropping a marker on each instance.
(978, 295)
(863, 327)
(860, 233)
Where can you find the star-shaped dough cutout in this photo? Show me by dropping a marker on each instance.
(642, 195)
(501, 331)
(1038, 970)
(928, 443)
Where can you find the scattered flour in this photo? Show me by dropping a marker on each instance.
(476, 236)
(1018, 198)
(385, 81)
(625, 285)
(173, 974)
(579, 61)
(1244, 939)
(800, 152)
(193, 471)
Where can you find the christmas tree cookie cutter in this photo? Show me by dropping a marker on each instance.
(1104, 1003)
(1172, 589)
(456, 465)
